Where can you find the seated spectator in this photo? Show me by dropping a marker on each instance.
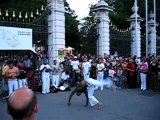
(23, 108)
(65, 77)
(64, 83)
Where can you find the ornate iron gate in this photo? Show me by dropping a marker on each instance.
(120, 41)
(38, 23)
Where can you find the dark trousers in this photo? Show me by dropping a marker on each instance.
(75, 78)
(130, 82)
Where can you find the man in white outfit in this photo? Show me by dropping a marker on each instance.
(55, 74)
(45, 69)
(100, 72)
(75, 70)
(86, 68)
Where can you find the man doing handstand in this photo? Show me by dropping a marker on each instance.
(80, 88)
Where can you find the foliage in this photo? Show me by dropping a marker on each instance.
(22, 5)
(72, 34)
(89, 34)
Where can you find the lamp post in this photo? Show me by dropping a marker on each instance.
(146, 28)
(155, 21)
(136, 24)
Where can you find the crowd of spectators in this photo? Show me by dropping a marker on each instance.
(125, 72)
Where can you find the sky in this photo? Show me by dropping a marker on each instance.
(81, 7)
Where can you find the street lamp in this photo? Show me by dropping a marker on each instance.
(146, 28)
(154, 5)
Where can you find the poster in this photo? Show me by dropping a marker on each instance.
(14, 38)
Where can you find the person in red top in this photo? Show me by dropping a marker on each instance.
(22, 78)
(131, 71)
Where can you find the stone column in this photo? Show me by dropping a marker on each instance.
(56, 28)
(135, 33)
(151, 35)
(102, 10)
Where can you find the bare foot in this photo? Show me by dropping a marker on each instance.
(99, 106)
(114, 88)
(85, 105)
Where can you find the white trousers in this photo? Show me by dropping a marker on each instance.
(100, 79)
(45, 83)
(143, 81)
(91, 83)
(12, 85)
(55, 80)
(86, 76)
(22, 83)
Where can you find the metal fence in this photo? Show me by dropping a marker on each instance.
(38, 22)
(120, 42)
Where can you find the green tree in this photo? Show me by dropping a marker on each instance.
(89, 34)
(72, 34)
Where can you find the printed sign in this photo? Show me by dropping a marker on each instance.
(14, 38)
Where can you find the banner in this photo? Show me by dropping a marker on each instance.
(14, 38)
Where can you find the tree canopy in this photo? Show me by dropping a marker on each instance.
(86, 36)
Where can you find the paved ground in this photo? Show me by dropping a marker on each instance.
(122, 105)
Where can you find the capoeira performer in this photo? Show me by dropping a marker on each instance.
(86, 66)
(45, 68)
(80, 88)
(55, 74)
(88, 84)
(91, 87)
(100, 72)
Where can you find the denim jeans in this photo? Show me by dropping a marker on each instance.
(119, 82)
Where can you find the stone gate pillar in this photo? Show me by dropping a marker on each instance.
(151, 35)
(102, 10)
(56, 28)
(135, 33)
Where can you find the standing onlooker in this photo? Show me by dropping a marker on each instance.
(22, 104)
(55, 74)
(12, 74)
(22, 78)
(4, 79)
(131, 72)
(100, 71)
(153, 67)
(158, 79)
(27, 62)
(124, 73)
(86, 69)
(143, 74)
(75, 70)
(119, 76)
(45, 69)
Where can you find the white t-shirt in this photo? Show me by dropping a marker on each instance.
(47, 66)
(64, 76)
(55, 69)
(111, 73)
(75, 64)
(100, 68)
(86, 66)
